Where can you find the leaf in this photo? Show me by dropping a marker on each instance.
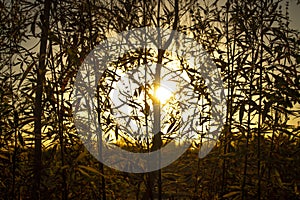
(26, 121)
(298, 59)
(21, 139)
(278, 177)
(133, 104)
(266, 110)
(65, 167)
(231, 194)
(171, 126)
(192, 70)
(147, 109)
(189, 179)
(117, 132)
(81, 155)
(268, 49)
(236, 187)
(16, 118)
(25, 73)
(241, 113)
(218, 30)
(90, 169)
(4, 157)
(135, 93)
(32, 28)
(83, 172)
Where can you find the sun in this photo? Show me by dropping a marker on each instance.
(163, 95)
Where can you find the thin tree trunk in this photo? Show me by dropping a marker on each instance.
(59, 111)
(228, 99)
(38, 109)
(244, 192)
(62, 144)
(14, 157)
(260, 104)
(101, 166)
(157, 141)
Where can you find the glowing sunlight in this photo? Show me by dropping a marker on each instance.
(163, 95)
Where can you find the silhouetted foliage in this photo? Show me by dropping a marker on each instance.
(254, 48)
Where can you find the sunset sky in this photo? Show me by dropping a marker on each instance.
(295, 14)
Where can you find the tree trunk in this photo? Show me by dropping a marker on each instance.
(38, 110)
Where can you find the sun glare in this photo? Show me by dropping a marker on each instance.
(163, 94)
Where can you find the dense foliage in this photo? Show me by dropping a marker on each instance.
(44, 43)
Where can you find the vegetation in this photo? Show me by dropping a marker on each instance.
(43, 44)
